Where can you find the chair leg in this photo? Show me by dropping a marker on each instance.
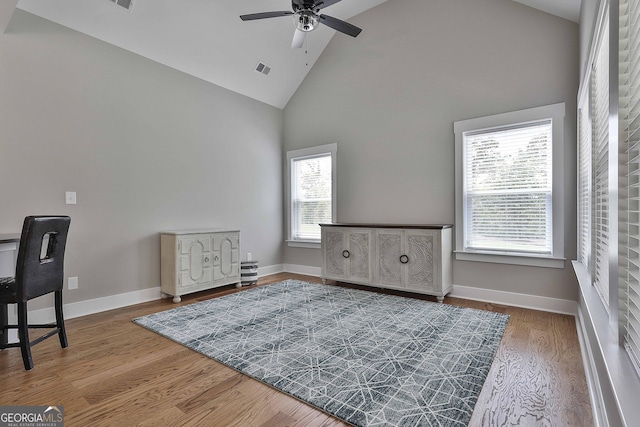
(60, 321)
(23, 334)
(4, 321)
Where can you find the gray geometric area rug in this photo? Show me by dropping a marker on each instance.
(369, 359)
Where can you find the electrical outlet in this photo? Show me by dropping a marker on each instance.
(70, 197)
(248, 256)
(72, 283)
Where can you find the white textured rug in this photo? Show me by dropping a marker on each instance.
(369, 359)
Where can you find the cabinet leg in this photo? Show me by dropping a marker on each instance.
(324, 281)
(440, 299)
(239, 285)
(177, 299)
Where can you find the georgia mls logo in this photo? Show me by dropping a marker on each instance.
(31, 416)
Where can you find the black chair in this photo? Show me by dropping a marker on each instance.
(39, 271)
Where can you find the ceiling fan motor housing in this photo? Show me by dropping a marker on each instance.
(306, 20)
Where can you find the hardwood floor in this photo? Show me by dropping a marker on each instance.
(118, 373)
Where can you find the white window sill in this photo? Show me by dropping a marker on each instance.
(507, 258)
(617, 374)
(309, 244)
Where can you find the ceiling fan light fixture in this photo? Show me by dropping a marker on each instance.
(305, 20)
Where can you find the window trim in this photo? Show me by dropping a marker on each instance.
(331, 149)
(555, 112)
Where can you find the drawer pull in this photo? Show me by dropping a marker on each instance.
(404, 259)
(346, 253)
(206, 259)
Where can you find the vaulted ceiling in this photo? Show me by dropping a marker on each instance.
(207, 39)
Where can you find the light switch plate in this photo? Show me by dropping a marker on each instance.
(72, 283)
(70, 197)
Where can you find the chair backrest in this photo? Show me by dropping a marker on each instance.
(40, 264)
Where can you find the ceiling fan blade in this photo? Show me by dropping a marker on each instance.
(321, 4)
(298, 39)
(264, 15)
(338, 25)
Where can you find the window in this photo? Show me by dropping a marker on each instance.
(311, 193)
(594, 168)
(599, 106)
(508, 192)
(629, 139)
(608, 265)
(584, 183)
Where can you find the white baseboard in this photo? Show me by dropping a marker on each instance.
(98, 305)
(84, 308)
(270, 269)
(534, 302)
(303, 269)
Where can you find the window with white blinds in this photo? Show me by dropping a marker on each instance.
(584, 184)
(311, 191)
(509, 183)
(599, 94)
(508, 189)
(629, 137)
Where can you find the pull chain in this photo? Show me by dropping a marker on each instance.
(306, 50)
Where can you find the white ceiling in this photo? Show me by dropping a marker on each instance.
(567, 9)
(207, 39)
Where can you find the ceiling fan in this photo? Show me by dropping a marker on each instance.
(306, 15)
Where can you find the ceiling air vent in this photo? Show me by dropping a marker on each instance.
(263, 68)
(123, 3)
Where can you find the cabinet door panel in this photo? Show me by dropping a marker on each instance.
(335, 262)
(389, 268)
(225, 256)
(196, 262)
(420, 274)
(195, 265)
(360, 255)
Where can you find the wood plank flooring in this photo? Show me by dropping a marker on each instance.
(118, 373)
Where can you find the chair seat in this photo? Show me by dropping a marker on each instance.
(8, 290)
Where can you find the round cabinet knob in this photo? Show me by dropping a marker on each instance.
(206, 259)
(346, 253)
(404, 259)
(216, 258)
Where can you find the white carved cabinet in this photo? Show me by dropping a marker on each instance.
(196, 260)
(410, 258)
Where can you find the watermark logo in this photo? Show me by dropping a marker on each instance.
(31, 416)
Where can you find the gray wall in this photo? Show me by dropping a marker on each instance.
(146, 148)
(389, 99)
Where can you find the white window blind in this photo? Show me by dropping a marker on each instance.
(584, 184)
(600, 157)
(508, 189)
(629, 123)
(311, 187)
